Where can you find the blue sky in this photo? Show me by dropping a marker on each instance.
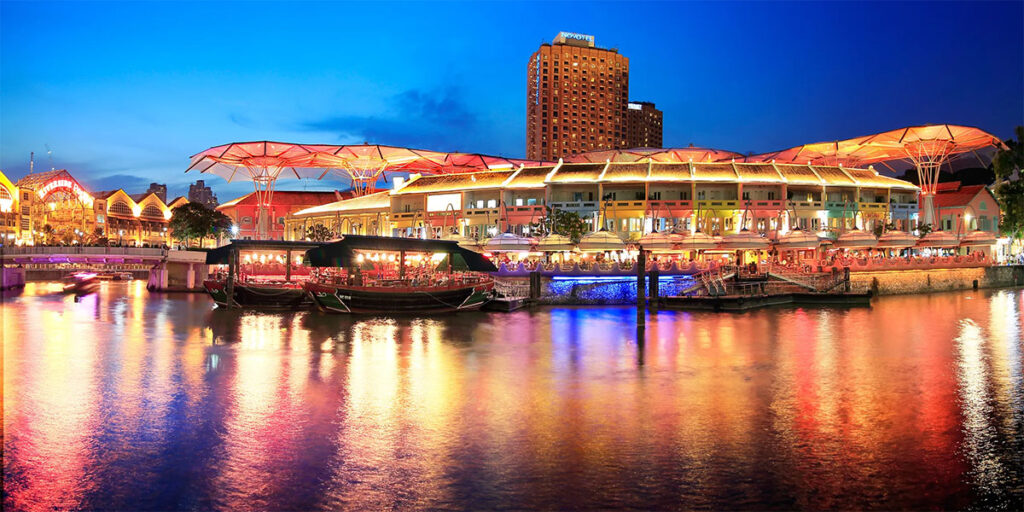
(123, 93)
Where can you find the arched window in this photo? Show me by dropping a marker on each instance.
(121, 208)
(152, 210)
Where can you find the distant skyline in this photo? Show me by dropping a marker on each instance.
(124, 93)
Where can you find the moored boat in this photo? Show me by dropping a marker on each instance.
(81, 283)
(372, 274)
(259, 274)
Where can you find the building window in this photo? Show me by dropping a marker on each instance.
(121, 208)
(246, 220)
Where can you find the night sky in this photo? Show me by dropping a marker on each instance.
(124, 93)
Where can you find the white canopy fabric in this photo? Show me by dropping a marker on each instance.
(697, 241)
(659, 242)
(554, 243)
(939, 239)
(509, 242)
(978, 239)
(896, 240)
(798, 240)
(601, 241)
(856, 239)
(743, 241)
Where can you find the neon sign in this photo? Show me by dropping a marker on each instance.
(578, 37)
(67, 185)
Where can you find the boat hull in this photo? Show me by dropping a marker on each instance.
(259, 296)
(402, 300)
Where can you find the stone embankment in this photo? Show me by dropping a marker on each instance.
(936, 280)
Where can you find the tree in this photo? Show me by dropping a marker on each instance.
(48, 233)
(1009, 189)
(318, 233)
(561, 222)
(195, 221)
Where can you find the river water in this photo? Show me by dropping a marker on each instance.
(132, 400)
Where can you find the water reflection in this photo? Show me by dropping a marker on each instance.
(131, 400)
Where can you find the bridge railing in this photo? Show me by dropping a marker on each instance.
(74, 249)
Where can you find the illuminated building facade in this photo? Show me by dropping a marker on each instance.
(52, 207)
(243, 211)
(576, 97)
(633, 198)
(643, 125)
(965, 208)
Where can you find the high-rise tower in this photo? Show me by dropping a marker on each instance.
(576, 97)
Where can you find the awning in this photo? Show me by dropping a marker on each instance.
(219, 256)
(343, 252)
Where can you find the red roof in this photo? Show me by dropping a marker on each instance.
(292, 198)
(952, 194)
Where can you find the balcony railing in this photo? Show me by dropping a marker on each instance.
(873, 207)
(841, 205)
(763, 204)
(574, 205)
(719, 204)
(625, 204)
(481, 212)
(807, 205)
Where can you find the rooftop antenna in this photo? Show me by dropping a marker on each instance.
(31, 161)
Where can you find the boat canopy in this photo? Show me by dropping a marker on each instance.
(343, 252)
(219, 256)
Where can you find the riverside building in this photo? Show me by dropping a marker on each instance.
(52, 207)
(629, 199)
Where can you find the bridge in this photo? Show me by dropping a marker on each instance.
(165, 269)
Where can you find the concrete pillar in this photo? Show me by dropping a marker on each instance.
(190, 277)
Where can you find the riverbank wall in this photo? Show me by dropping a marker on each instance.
(899, 282)
(12, 277)
(181, 271)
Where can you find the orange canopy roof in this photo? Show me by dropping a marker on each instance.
(913, 143)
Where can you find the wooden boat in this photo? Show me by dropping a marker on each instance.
(81, 283)
(370, 274)
(264, 274)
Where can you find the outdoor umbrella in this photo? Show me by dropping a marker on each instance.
(896, 240)
(601, 241)
(856, 239)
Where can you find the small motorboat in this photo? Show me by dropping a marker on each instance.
(81, 283)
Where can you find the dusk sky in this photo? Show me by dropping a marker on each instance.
(124, 93)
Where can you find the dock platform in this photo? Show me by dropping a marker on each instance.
(748, 302)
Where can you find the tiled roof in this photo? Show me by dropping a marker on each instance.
(626, 172)
(530, 177)
(455, 182)
(758, 172)
(954, 195)
(377, 201)
(833, 175)
(798, 174)
(289, 197)
(575, 173)
(670, 172)
(714, 172)
(38, 178)
(870, 178)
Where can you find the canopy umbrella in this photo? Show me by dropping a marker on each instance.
(978, 239)
(926, 147)
(743, 241)
(798, 240)
(697, 241)
(668, 155)
(601, 241)
(509, 242)
(896, 240)
(938, 239)
(659, 242)
(856, 239)
(554, 243)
